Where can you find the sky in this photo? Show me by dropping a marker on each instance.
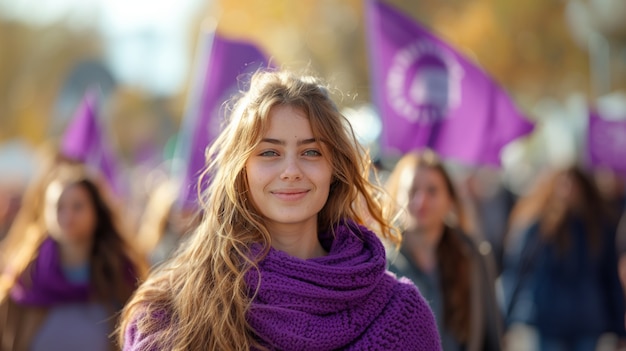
(141, 36)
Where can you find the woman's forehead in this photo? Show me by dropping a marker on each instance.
(428, 174)
(286, 122)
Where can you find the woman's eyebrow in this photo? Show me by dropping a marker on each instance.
(283, 143)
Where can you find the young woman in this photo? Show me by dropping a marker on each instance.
(66, 268)
(282, 259)
(560, 271)
(453, 275)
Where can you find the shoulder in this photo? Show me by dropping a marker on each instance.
(409, 316)
(408, 297)
(142, 336)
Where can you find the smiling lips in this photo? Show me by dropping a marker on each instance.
(290, 194)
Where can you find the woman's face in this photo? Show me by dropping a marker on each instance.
(429, 199)
(567, 191)
(70, 214)
(289, 172)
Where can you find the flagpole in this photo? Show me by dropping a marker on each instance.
(600, 64)
(199, 70)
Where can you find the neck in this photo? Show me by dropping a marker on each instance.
(297, 241)
(422, 244)
(74, 254)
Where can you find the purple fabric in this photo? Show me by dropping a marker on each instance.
(84, 141)
(43, 283)
(606, 143)
(345, 300)
(429, 95)
(221, 62)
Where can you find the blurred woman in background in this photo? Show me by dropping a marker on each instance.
(560, 273)
(66, 267)
(455, 277)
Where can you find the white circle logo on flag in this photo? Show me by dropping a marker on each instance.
(423, 82)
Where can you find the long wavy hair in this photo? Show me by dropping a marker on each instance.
(454, 259)
(115, 265)
(200, 294)
(550, 204)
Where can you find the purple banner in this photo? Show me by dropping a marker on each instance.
(429, 95)
(606, 143)
(221, 63)
(84, 141)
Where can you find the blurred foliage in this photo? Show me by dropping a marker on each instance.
(33, 64)
(139, 123)
(325, 36)
(525, 45)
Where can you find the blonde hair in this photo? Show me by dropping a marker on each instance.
(201, 290)
(112, 254)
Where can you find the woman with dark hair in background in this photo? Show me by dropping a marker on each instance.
(561, 268)
(455, 277)
(66, 266)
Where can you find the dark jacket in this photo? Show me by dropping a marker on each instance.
(486, 320)
(564, 293)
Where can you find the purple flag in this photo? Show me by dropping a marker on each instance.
(220, 63)
(429, 95)
(84, 141)
(606, 143)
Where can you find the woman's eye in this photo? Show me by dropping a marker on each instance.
(312, 153)
(268, 153)
(432, 191)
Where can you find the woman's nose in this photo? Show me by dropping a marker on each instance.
(292, 170)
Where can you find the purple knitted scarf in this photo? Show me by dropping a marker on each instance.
(345, 300)
(43, 282)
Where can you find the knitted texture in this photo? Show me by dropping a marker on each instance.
(345, 300)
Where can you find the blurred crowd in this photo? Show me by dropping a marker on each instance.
(509, 253)
(544, 269)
